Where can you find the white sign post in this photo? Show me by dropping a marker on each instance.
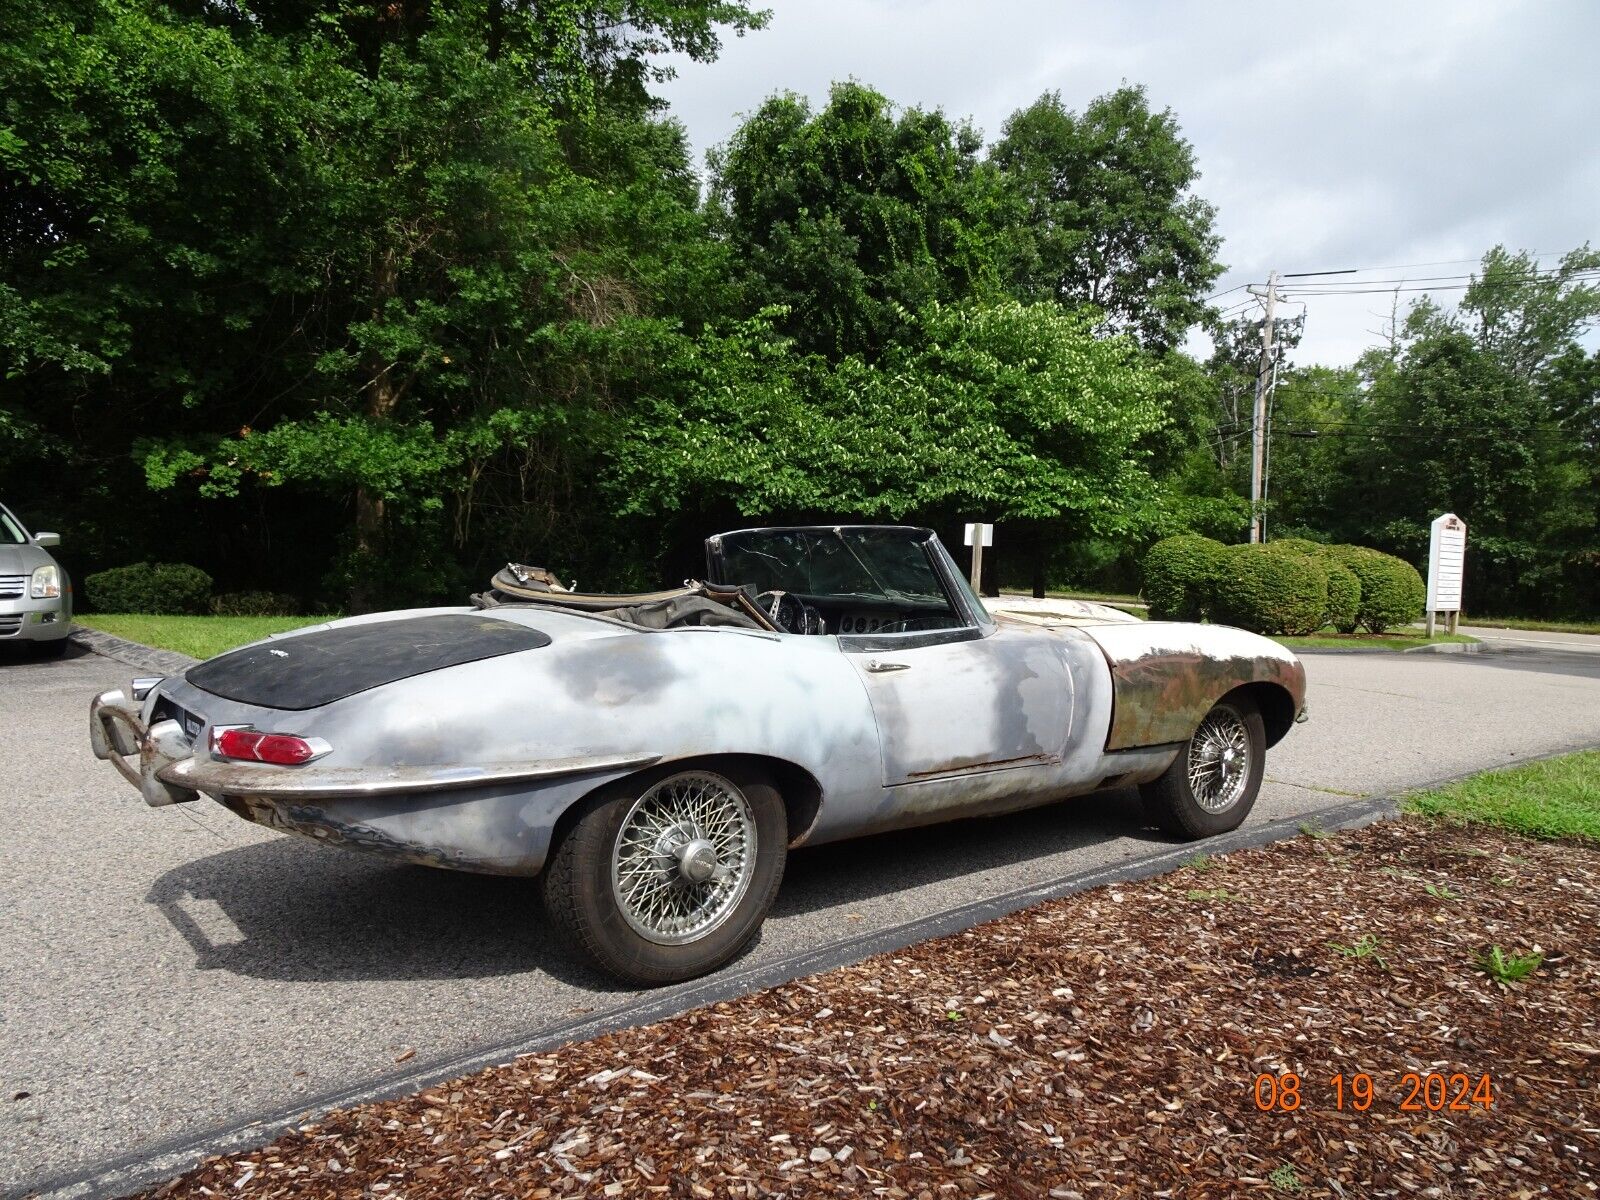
(1447, 554)
(978, 536)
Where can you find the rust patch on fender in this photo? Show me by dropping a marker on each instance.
(1166, 677)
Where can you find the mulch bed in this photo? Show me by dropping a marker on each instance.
(1105, 1045)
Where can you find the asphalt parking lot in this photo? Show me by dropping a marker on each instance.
(168, 972)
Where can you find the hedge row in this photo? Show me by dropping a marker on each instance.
(1292, 587)
(177, 588)
(149, 588)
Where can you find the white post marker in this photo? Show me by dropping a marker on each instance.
(978, 536)
(1447, 555)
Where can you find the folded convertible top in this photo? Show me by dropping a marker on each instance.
(695, 603)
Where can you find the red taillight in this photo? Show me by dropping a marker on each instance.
(284, 749)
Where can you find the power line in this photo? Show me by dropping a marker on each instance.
(1521, 276)
(1450, 262)
(1438, 262)
(1389, 291)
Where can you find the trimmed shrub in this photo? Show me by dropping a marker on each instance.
(1302, 546)
(254, 604)
(1344, 596)
(1267, 589)
(1179, 574)
(150, 588)
(1344, 587)
(1392, 593)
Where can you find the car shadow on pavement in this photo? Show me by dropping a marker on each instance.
(867, 868)
(286, 909)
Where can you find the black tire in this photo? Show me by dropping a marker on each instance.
(1170, 801)
(53, 649)
(585, 910)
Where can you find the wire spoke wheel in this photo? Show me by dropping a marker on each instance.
(683, 858)
(1219, 760)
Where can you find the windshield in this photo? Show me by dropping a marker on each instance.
(10, 532)
(821, 564)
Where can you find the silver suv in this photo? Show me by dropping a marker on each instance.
(35, 593)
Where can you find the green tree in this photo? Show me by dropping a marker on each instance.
(1014, 411)
(1110, 212)
(856, 217)
(410, 258)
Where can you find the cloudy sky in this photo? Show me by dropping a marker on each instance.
(1403, 137)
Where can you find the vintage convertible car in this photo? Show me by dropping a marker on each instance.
(654, 757)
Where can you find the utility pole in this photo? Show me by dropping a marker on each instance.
(1258, 420)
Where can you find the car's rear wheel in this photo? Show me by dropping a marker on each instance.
(1211, 786)
(668, 875)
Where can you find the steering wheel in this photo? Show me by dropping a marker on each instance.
(791, 614)
(785, 611)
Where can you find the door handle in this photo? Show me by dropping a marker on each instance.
(877, 666)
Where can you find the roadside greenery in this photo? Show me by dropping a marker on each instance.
(198, 637)
(1293, 587)
(1551, 798)
(1329, 639)
(1532, 624)
(149, 588)
(1181, 575)
(355, 304)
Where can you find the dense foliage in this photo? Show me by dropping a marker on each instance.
(1291, 586)
(1344, 597)
(1109, 217)
(1392, 592)
(149, 588)
(1181, 574)
(1489, 411)
(1267, 589)
(352, 303)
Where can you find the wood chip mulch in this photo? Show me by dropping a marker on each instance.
(1110, 1044)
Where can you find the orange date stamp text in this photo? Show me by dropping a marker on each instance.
(1431, 1091)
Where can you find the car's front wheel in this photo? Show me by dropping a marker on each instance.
(669, 875)
(1211, 786)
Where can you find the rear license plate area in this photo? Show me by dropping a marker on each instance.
(190, 723)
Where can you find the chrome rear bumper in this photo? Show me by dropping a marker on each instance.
(118, 734)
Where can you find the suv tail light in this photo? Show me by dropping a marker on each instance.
(251, 745)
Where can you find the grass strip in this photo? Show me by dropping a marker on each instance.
(1552, 798)
(198, 637)
(1532, 623)
(1371, 641)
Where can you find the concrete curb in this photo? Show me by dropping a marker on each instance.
(1438, 648)
(135, 654)
(130, 1172)
(1447, 648)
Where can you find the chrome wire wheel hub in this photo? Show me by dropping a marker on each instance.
(684, 858)
(1219, 760)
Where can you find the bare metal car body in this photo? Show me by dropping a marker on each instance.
(472, 764)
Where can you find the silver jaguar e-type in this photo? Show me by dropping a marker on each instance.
(654, 757)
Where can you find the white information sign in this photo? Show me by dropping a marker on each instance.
(978, 536)
(1447, 553)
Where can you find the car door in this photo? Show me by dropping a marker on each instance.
(963, 702)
